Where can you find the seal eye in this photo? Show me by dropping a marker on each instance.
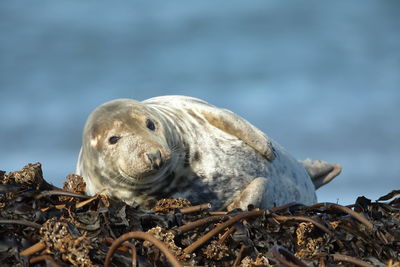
(150, 125)
(113, 139)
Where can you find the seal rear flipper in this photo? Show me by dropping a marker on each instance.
(321, 172)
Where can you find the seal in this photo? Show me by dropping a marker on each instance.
(179, 146)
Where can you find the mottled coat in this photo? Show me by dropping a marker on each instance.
(176, 146)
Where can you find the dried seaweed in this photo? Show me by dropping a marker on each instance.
(41, 225)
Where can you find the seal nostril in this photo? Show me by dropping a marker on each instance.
(155, 159)
(150, 157)
(159, 160)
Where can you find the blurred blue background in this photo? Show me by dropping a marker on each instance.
(321, 78)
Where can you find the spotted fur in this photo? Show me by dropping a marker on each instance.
(208, 155)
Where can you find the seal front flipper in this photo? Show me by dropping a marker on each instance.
(233, 124)
(222, 119)
(252, 195)
(321, 172)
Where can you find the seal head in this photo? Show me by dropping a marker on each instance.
(124, 146)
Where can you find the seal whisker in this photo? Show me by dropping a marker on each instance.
(123, 180)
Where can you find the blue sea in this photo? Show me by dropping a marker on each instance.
(321, 78)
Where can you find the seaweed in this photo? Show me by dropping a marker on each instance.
(42, 225)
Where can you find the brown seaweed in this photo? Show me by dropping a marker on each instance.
(42, 225)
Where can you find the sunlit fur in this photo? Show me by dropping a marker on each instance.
(201, 162)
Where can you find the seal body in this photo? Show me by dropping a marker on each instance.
(177, 146)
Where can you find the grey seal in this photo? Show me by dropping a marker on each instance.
(179, 146)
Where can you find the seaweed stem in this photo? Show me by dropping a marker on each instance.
(358, 216)
(85, 202)
(21, 222)
(285, 257)
(302, 218)
(44, 258)
(361, 218)
(285, 206)
(230, 231)
(197, 208)
(239, 256)
(199, 242)
(217, 213)
(345, 258)
(60, 193)
(192, 225)
(143, 236)
(39, 246)
(134, 256)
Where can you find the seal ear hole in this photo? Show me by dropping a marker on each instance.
(113, 139)
(150, 125)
